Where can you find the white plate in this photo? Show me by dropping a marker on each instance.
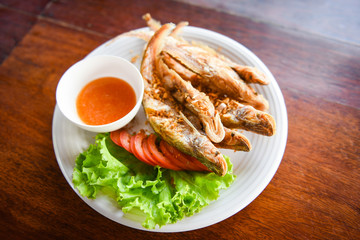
(254, 170)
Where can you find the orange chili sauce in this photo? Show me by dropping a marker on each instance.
(105, 100)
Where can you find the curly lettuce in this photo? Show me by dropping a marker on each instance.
(163, 195)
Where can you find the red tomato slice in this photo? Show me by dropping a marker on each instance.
(125, 140)
(132, 146)
(190, 161)
(145, 149)
(115, 137)
(137, 148)
(184, 165)
(161, 160)
(200, 166)
(147, 152)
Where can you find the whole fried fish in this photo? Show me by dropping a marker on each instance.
(164, 113)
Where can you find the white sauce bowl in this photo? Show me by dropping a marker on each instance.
(92, 68)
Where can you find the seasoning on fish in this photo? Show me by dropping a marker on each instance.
(214, 73)
(194, 100)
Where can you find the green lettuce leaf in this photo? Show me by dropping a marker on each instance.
(163, 195)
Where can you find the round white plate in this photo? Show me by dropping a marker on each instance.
(254, 170)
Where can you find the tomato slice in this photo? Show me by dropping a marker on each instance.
(161, 160)
(190, 161)
(137, 147)
(200, 166)
(184, 165)
(132, 146)
(125, 140)
(115, 137)
(145, 149)
(147, 152)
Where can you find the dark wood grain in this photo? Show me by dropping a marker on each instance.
(13, 26)
(313, 195)
(27, 7)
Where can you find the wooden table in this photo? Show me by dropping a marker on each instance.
(311, 47)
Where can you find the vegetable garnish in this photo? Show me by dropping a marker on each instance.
(146, 149)
(165, 196)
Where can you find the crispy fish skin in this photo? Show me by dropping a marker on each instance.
(215, 73)
(250, 74)
(232, 113)
(184, 138)
(236, 115)
(180, 69)
(234, 140)
(247, 73)
(163, 114)
(195, 101)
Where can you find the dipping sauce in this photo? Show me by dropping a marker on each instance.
(105, 100)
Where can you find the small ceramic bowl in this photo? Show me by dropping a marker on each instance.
(89, 69)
